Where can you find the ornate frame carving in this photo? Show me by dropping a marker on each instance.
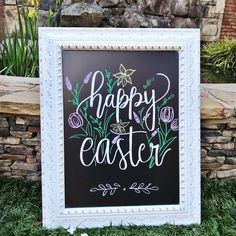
(51, 43)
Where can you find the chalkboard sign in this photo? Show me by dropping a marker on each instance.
(120, 127)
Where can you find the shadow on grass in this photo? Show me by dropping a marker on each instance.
(20, 213)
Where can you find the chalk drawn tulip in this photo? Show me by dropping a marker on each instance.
(167, 114)
(136, 118)
(87, 78)
(68, 84)
(114, 140)
(75, 120)
(174, 125)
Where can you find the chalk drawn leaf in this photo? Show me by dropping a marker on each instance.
(155, 188)
(93, 190)
(108, 186)
(104, 193)
(112, 191)
(146, 191)
(137, 190)
(133, 185)
(101, 186)
(117, 185)
(141, 185)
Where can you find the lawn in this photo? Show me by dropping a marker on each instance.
(20, 213)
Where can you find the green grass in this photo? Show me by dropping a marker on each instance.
(20, 213)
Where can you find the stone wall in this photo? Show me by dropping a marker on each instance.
(19, 128)
(228, 29)
(20, 133)
(206, 14)
(218, 130)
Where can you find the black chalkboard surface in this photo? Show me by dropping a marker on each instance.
(121, 139)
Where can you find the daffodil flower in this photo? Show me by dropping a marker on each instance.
(32, 14)
(124, 76)
(34, 2)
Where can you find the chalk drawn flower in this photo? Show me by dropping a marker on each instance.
(167, 114)
(75, 120)
(124, 76)
(119, 127)
(146, 116)
(174, 125)
(114, 140)
(154, 132)
(136, 118)
(87, 78)
(68, 84)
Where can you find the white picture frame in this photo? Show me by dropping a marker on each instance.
(51, 43)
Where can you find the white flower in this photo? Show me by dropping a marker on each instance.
(124, 76)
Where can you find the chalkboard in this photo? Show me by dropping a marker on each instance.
(121, 112)
(120, 126)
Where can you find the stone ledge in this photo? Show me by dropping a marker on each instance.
(19, 95)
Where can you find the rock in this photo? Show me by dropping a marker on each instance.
(11, 120)
(31, 159)
(6, 174)
(230, 160)
(9, 140)
(18, 149)
(81, 14)
(210, 166)
(19, 95)
(5, 163)
(180, 7)
(180, 22)
(19, 134)
(214, 124)
(1, 149)
(33, 177)
(229, 153)
(31, 142)
(21, 128)
(223, 145)
(220, 159)
(38, 157)
(134, 19)
(108, 3)
(47, 4)
(208, 160)
(18, 165)
(211, 133)
(34, 129)
(227, 133)
(3, 123)
(217, 139)
(4, 132)
(212, 174)
(203, 152)
(4, 168)
(13, 157)
(33, 120)
(17, 177)
(226, 174)
(155, 7)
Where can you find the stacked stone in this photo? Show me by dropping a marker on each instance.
(20, 147)
(218, 153)
(206, 14)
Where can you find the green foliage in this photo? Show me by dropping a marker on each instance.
(20, 213)
(220, 55)
(19, 54)
(19, 51)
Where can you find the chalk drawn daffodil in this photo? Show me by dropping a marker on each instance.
(119, 127)
(124, 76)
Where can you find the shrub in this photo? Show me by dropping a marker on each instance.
(220, 55)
